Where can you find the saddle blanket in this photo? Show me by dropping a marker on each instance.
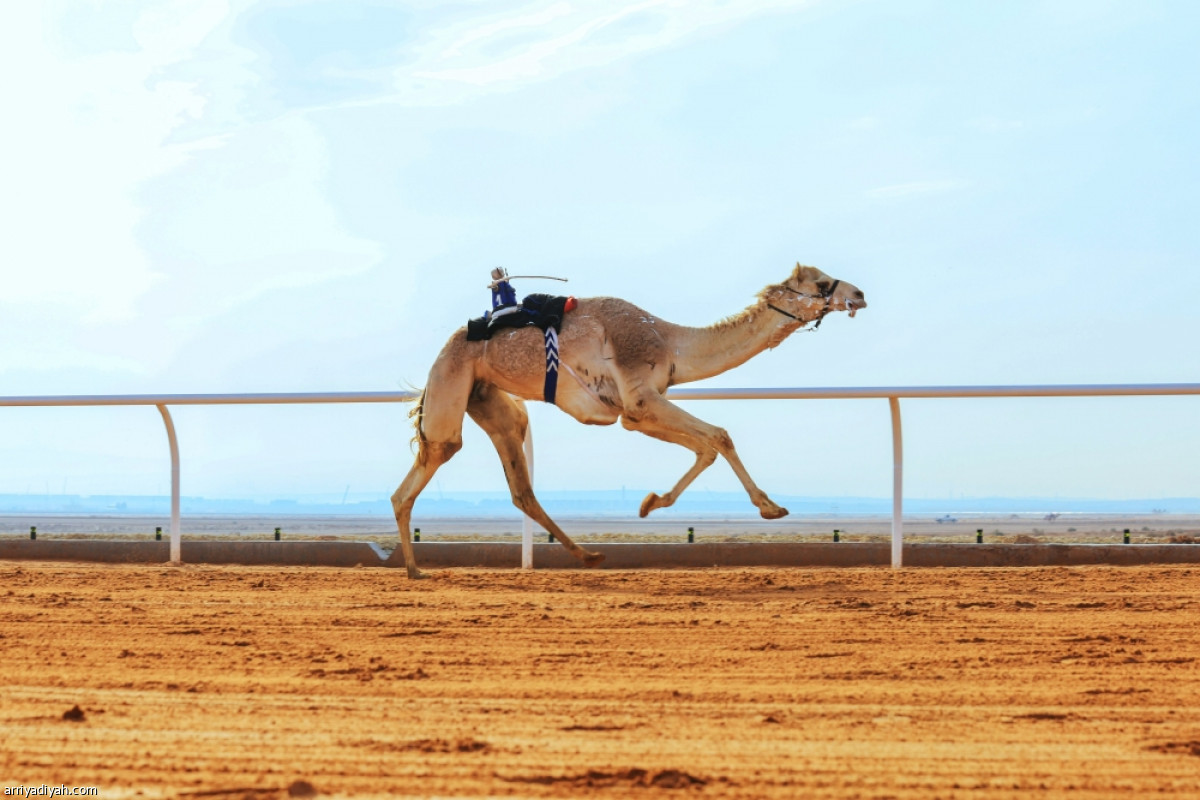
(542, 310)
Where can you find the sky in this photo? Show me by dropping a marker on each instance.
(264, 196)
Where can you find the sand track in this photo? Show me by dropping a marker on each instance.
(238, 681)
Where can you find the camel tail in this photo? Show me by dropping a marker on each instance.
(417, 414)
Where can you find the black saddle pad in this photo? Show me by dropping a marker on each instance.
(543, 310)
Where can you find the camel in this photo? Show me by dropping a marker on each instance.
(618, 362)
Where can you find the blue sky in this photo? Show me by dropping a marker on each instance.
(220, 196)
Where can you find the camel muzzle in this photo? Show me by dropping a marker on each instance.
(856, 301)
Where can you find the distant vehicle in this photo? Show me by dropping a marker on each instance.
(1050, 517)
(946, 518)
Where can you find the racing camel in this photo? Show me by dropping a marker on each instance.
(618, 361)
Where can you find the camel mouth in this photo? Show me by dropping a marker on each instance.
(853, 306)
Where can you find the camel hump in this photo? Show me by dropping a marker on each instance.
(612, 310)
(630, 335)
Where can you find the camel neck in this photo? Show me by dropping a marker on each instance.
(704, 352)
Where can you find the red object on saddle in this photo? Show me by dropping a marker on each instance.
(570, 304)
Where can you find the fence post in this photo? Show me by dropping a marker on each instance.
(176, 556)
(897, 486)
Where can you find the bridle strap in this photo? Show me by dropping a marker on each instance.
(785, 313)
(826, 296)
(798, 319)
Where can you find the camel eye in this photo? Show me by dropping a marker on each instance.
(824, 286)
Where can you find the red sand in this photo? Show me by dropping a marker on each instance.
(244, 681)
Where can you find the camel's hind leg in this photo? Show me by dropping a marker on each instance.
(705, 456)
(504, 420)
(431, 456)
(651, 413)
(439, 434)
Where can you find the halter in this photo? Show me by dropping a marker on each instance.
(827, 296)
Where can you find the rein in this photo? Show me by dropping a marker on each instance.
(826, 296)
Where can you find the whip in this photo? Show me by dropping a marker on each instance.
(504, 276)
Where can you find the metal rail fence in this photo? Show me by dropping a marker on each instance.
(893, 394)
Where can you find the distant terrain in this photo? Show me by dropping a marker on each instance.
(613, 502)
(800, 526)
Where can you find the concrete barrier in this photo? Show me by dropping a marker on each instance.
(798, 554)
(292, 554)
(85, 550)
(327, 554)
(1046, 555)
(506, 555)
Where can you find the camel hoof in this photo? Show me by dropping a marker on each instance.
(592, 559)
(651, 502)
(773, 512)
(415, 574)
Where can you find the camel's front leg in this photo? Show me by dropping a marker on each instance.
(705, 456)
(650, 411)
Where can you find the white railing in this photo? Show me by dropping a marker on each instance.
(893, 394)
(162, 401)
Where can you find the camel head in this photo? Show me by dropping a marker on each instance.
(809, 294)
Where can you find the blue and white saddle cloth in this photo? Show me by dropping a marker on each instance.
(544, 311)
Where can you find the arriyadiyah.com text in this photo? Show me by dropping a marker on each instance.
(45, 790)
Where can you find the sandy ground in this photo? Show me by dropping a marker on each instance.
(218, 682)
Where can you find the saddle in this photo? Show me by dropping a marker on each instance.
(543, 310)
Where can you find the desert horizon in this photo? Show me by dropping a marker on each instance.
(1026, 528)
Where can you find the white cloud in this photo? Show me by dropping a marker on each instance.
(82, 132)
(538, 56)
(543, 40)
(490, 30)
(131, 176)
(250, 217)
(461, 54)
